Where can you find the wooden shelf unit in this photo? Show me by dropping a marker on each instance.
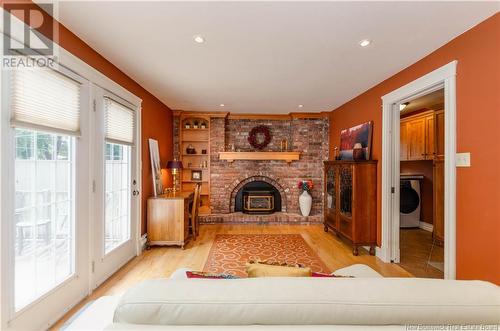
(200, 139)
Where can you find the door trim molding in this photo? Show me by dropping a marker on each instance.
(443, 77)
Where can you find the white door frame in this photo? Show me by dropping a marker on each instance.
(443, 77)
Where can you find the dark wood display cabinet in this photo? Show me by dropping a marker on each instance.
(350, 206)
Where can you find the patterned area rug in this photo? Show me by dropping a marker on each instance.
(230, 252)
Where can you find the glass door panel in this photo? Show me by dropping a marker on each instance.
(117, 195)
(330, 189)
(44, 213)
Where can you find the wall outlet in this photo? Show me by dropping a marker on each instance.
(462, 160)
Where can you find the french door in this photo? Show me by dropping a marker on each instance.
(116, 189)
(45, 195)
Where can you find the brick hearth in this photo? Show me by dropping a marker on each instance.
(276, 218)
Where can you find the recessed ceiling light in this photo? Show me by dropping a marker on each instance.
(300, 106)
(365, 42)
(402, 106)
(199, 39)
(222, 105)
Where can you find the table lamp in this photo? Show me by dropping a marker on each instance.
(175, 167)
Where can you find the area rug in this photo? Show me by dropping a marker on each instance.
(230, 252)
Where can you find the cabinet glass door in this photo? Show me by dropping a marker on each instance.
(346, 191)
(330, 190)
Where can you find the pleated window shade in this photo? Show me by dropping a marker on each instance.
(45, 99)
(120, 122)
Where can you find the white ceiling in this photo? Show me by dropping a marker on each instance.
(266, 57)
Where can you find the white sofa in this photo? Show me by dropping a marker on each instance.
(367, 301)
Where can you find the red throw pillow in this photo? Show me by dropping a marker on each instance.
(207, 275)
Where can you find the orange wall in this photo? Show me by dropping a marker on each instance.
(478, 127)
(156, 116)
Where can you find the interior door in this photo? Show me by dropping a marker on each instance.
(115, 185)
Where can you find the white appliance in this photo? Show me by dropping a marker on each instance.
(409, 201)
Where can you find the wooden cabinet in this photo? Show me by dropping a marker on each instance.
(403, 144)
(429, 137)
(168, 219)
(416, 139)
(438, 197)
(350, 206)
(439, 133)
(418, 136)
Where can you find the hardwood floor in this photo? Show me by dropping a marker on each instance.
(420, 255)
(162, 261)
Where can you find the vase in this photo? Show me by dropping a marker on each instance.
(305, 203)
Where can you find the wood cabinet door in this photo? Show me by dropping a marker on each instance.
(403, 141)
(416, 139)
(439, 133)
(429, 137)
(438, 195)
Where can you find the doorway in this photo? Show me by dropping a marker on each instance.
(440, 79)
(421, 198)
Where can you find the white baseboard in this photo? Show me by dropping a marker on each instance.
(426, 226)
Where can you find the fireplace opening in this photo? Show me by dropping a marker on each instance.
(258, 197)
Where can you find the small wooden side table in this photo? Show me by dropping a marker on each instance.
(168, 219)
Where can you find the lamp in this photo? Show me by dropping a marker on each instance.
(175, 167)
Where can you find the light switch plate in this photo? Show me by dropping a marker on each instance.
(462, 160)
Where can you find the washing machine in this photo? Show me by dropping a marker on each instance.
(409, 201)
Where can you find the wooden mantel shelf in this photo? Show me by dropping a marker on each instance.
(260, 156)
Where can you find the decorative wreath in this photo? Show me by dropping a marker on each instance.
(260, 137)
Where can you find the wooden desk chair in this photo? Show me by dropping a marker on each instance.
(193, 219)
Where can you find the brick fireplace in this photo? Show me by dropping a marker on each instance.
(257, 195)
(309, 136)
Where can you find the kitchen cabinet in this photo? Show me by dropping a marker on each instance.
(422, 136)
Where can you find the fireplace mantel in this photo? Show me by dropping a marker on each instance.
(260, 156)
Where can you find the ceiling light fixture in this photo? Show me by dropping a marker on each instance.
(365, 42)
(402, 106)
(199, 39)
(300, 106)
(222, 105)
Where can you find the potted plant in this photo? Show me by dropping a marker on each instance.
(305, 198)
(195, 124)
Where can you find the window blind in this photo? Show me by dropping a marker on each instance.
(45, 99)
(120, 122)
